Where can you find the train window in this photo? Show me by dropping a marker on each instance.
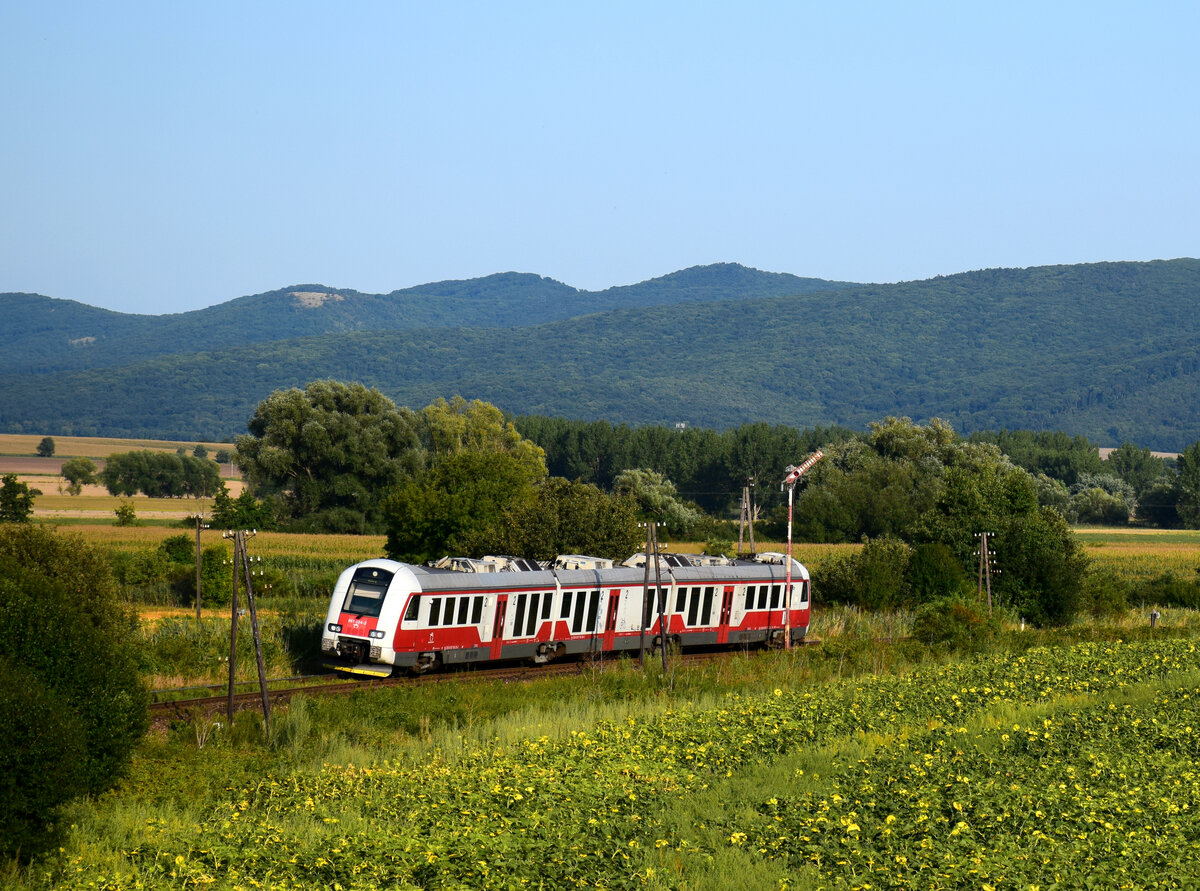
(680, 600)
(435, 610)
(749, 597)
(762, 596)
(448, 615)
(546, 604)
(367, 588)
(476, 610)
(693, 606)
(593, 608)
(410, 612)
(580, 605)
(518, 615)
(803, 594)
(565, 612)
(776, 591)
(531, 626)
(464, 603)
(708, 605)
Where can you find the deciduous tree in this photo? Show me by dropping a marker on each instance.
(325, 455)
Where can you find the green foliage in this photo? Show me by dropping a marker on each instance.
(216, 578)
(1105, 594)
(243, 512)
(42, 750)
(1043, 567)
(126, 514)
(457, 506)
(451, 428)
(924, 485)
(1099, 499)
(1058, 455)
(1188, 505)
(324, 455)
(1136, 466)
(159, 475)
(873, 578)
(45, 448)
(96, 695)
(570, 518)
(16, 500)
(78, 472)
(179, 548)
(1159, 505)
(1168, 589)
(954, 623)
(657, 500)
(934, 573)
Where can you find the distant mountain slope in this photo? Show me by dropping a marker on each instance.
(42, 334)
(1106, 350)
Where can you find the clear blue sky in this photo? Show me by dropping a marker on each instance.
(161, 156)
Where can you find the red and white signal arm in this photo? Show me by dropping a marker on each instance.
(795, 472)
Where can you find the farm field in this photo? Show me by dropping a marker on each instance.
(1036, 767)
(1141, 554)
(15, 445)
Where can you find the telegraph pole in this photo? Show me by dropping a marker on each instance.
(986, 568)
(240, 558)
(200, 524)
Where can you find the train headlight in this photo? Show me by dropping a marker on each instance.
(335, 628)
(376, 635)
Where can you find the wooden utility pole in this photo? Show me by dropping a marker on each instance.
(233, 621)
(199, 525)
(241, 565)
(747, 517)
(985, 569)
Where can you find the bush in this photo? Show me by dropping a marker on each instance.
(1105, 594)
(951, 623)
(934, 573)
(874, 578)
(42, 749)
(89, 671)
(216, 578)
(179, 549)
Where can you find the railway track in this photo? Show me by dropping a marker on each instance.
(163, 713)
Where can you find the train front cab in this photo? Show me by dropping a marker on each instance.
(364, 610)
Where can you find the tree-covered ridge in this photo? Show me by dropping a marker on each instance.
(1103, 350)
(44, 334)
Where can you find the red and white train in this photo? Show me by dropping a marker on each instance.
(386, 615)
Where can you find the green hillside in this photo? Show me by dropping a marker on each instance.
(43, 334)
(1104, 350)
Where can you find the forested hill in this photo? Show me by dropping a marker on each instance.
(1105, 350)
(43, 334)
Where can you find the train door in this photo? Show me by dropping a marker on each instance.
(498, 627)
(610, 624)
(726, 609)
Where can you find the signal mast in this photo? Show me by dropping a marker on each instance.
(789, 482)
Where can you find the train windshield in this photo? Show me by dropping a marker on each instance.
(365, 597)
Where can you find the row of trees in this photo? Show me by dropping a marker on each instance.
(455, 477)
